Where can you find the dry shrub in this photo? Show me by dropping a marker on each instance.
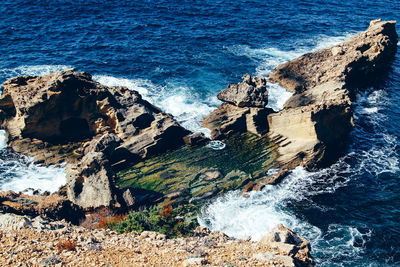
(109, 222)
(66, 245)
(93, 219)
(103, 218)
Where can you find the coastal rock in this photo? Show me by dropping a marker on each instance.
(91, 182)
(53, 207)
(244, 110)
(196, 139)
(98, 130)
(357, 61)
(225, 120)
(283, 241)
(67, 106)
(316, 121)
(251, 92)
(228, 119)
(10, 221)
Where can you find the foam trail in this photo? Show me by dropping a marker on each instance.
(3, 141)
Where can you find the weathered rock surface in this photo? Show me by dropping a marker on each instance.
(97, 129)
(356, 61)
(244, 112)
(228, 119)
(316, 120)
(287, 243)
(251, 92)
(40, 246)
(53, 207)
(69, 106)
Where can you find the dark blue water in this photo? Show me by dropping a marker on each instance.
(178, 54)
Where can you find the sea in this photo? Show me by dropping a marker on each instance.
(179, 54)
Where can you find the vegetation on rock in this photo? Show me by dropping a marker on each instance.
(172, 222)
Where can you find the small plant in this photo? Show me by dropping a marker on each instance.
(103, 218)
(93, 219)
(110, 222)
(66, 245)
(173, 222)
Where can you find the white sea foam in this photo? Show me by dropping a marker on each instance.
(19, 174)
(255, 215)
(3, 139)
(35, 70)
(277, 96)
(183, 102)
(324, 41)
(216, 145)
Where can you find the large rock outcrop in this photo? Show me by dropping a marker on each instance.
(243, 111)
(66, 116)
(313, 127)
(316, 120)
(70, 107)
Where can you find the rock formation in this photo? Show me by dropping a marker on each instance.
(287, 243)
(53, 207)
(317, 119)
(244, 109)
(313, 127)
(54, 118)
(252, 92)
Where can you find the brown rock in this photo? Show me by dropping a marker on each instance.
(284, 241)
(52, 207)
(251, 92)
(67, 107)
(225, 120)
(91, 183)
(355, 61)
(196, 139)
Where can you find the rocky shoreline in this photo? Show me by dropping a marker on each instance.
(124, 153)
(34, 244)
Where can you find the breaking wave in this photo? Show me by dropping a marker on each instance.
(187, 106)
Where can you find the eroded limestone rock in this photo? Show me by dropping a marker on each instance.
(317, 119)
(66, 116)
(251, 92)
(284, 242)
(53, 207)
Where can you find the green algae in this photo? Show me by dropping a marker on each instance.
(199, 172)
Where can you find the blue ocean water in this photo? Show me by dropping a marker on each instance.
(179, 54)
